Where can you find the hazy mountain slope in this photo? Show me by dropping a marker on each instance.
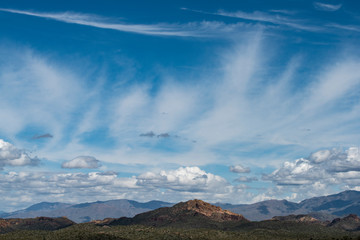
(324, 208)
(86, 212)
(340, 204)
(262, 210)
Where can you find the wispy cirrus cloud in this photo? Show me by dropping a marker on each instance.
(327, 7)
(352, 28)
(276, 17)
(223, 116)
(193, 29)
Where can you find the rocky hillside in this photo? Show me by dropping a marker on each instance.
(193, 213)
(348, 223)
(297, 218)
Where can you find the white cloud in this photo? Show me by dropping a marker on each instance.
(12, 156)
(190, 179)
(37, 92)
(63, 187)
(82, 162)
(239, 169)
(277, 19)
(230, 109)
(195, 29)
(233, 110)
(174, 185)
(322, 167)
(352, 28)
(327, 7)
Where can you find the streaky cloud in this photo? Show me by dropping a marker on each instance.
(352, 28)
(192, 29)
(327, 7)
(264, 17)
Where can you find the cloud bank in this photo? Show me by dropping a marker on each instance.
(330, 166)
(174, 185)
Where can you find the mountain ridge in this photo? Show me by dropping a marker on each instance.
(325, 208)
(182, 221)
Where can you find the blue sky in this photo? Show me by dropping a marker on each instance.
(231, 101)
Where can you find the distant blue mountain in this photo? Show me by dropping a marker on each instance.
(85, 212)
(47, 206)
(324, 208)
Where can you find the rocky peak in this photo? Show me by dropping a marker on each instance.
(348, 223)
(207, 209)
(296, 218)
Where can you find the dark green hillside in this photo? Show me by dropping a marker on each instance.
(262, 231)
(39, 223)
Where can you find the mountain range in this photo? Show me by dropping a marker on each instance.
(322, 208)
(86, 212)
(199, 214)
(194, 219)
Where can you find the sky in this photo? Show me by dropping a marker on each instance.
(224, 101)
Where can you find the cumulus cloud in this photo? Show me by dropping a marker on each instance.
(324, 166)
(327, 7)
(191, 179)
(24, 188)
(12, 156)
(239, 169)
(82, 162)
